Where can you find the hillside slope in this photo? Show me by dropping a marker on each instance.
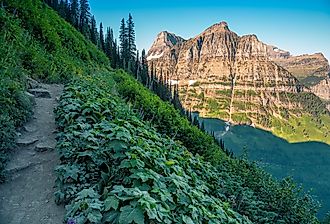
(43, 47)
(223, 75)
(126, 156)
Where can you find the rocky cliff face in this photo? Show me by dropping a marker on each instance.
(311, 70)
(323, 90)
(223, 75)
(219, 64)
(164, 41)
(306, 65)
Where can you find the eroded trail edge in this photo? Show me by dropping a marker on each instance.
(28, 194)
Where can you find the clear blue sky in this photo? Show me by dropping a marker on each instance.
(299, 26)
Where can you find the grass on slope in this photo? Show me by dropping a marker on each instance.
(302, 129)
(115, 168)
(309, 122)
(251, 191)
(111, 179)
(37, 43)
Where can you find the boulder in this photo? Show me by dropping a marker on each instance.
(32, 84)
(40, 93)
(23, 142)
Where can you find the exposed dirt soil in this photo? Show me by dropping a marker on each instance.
(28, 194)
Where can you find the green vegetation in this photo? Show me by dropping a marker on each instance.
(309, 128)
(117, 169)
(43, 47)
(224, 93)
(308, 163)
(308, 121)
(311, 103)
(126, 155)
(165, 118)
(119, 164)
(241, 118)
(248, 189)
(311, 80)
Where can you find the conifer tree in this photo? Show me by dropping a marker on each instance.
(108, 43)
(137, 67)
(93, 31)
(144, 68)
(123, 44)
(84, 17)
(202, 126)
(61, 9)
(102, 47)
(131, 47)
(114, 55)
(74, 13)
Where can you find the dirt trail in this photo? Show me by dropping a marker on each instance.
(27, 197)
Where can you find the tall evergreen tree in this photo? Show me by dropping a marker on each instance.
(119, 60)
(61, 9)
(74, 13)
(102, 38)
(123, 37)
(108, 42)
(131, 47)
(137, 67)
(114, 55)
(93, 31)
(144, 68)
(84, 17)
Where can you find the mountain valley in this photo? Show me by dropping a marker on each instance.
(244, 81)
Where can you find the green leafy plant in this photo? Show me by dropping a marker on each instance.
(139, 174)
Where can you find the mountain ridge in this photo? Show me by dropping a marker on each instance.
(237, 81)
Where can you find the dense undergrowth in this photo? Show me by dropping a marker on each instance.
(115, 168)
(127, 156)
(43, 47)
(246, 184)
(113, 156)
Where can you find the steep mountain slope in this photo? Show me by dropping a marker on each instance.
(223, 75)
(36, 43)
(118, 164)
(309, 69)
(164, 41)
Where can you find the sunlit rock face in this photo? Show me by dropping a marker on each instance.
(234, 77)
(312, 70)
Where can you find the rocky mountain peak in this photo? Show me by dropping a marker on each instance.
(218, 27)
(276, 53)
(164, 40)
(233, 69)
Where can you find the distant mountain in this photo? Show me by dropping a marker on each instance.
(312, 70)
(240, 79)
(304, 66)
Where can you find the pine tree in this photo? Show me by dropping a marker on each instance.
(202, 126)
(144, 68)
(93, 31)
(108, 43)
(61, 9)
(115, 56)
(176, 101)
(84, 17)
(131, 47)
(123, 44)
(102, 47)
(137, 67)
(196, 122)
(74, 13)
(55, 4)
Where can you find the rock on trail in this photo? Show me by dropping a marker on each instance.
(27, 197)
